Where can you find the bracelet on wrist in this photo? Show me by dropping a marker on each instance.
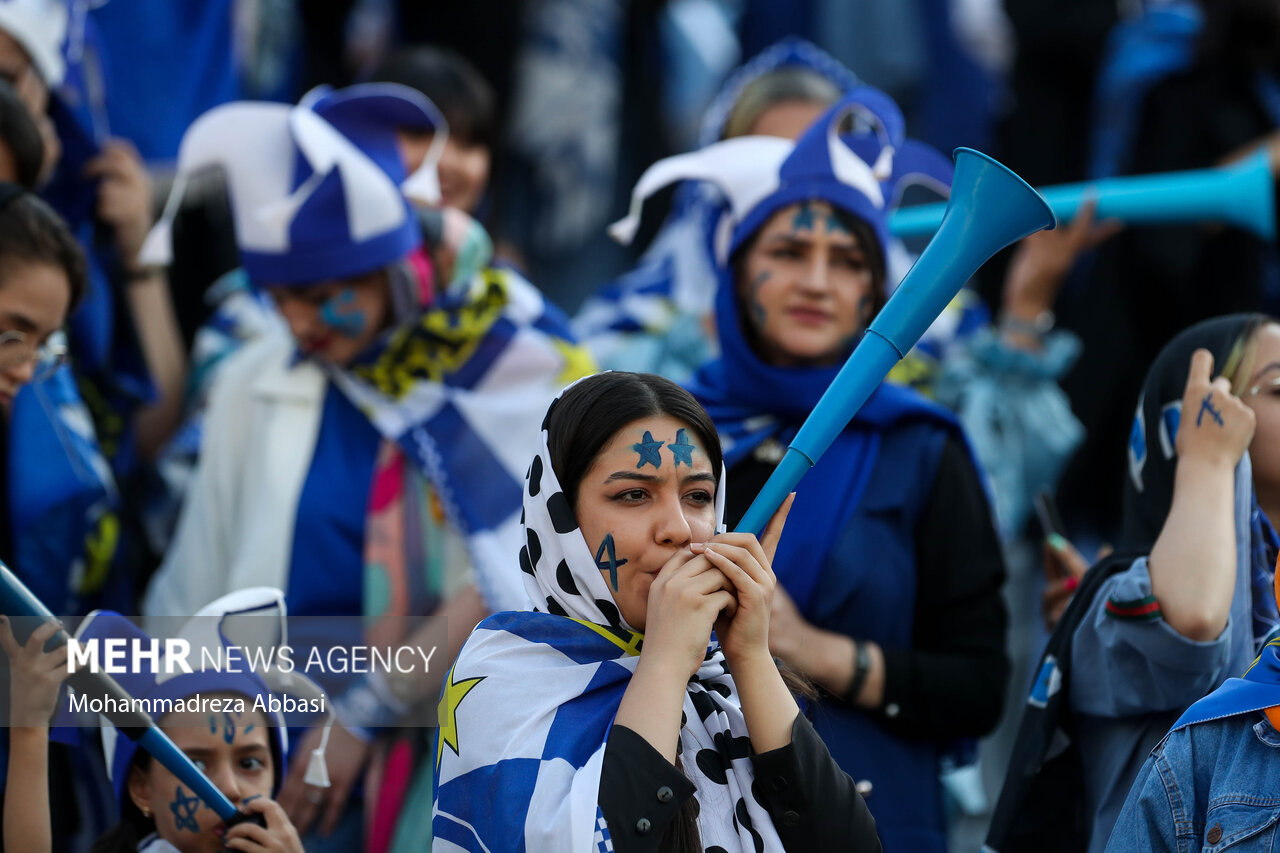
(369, 704)
(130, 276)
(1038, 327)
(861, 668)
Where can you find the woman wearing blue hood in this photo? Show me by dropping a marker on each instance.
(892, 568)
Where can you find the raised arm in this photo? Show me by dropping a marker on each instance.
(1193, 561)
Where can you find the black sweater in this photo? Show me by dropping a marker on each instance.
(812, 801)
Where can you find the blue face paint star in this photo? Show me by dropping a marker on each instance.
(229, 730)
(648, 450)
(606, 553)
(681, 449)
(341, 315)
(184, 810)
(834, 224)
(1206, 405)
(803, 219)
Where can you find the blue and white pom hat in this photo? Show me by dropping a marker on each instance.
(858, 172)
(40, 26)
(318, 191)
(251, 622)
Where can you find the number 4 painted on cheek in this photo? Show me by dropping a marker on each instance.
(606, 553)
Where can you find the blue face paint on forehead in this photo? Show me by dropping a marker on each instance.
(681, 449)
(228, 728)
(803, 220)
(648, 450)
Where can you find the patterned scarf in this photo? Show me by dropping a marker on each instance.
(454, 392)
(528, 706)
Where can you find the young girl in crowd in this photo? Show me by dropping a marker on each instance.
(609, 717)
(240, 751)
(367, 454)
(891, 572)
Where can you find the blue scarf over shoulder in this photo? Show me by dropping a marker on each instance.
(751, 401)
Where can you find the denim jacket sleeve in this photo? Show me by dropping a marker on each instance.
(1129, 661)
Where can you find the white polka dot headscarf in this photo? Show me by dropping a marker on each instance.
(560, 574)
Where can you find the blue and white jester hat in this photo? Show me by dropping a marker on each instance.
(318, 191)
(250, 621)
(857, 172)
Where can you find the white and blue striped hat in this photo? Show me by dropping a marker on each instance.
(318, 191)
(859, 171)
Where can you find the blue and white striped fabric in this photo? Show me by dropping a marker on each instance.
(527, 709)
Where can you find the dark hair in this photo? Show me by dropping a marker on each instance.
(592, 412)
(133, 825)
(18, 131)
(452, 83)
(31, 232)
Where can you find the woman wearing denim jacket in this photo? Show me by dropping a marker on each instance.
(1214, 782)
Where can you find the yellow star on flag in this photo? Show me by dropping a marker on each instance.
(454, 693)
(577, 361)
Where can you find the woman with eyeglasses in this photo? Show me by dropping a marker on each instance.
(41, 280)
(58, 500)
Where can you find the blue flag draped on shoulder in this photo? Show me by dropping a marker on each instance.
(1257, 690)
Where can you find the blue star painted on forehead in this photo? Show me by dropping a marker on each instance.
(648, 450)
(681, 449)
(803, 218)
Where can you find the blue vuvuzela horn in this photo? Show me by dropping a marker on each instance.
(1239, 195)
(19, 603)
(990, 208)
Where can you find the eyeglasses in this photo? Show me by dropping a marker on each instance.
(18, 348)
